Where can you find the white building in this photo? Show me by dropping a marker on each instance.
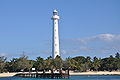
(55, 44)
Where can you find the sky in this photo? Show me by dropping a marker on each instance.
(86, 27)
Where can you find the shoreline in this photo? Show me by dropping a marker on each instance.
(7, 74)
(96, 73)
(71, 73)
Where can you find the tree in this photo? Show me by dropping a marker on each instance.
(39, 64)
(96, 63)
(108, 64)
(117, 61)
(18, 64)
(58, 63)
(30, 64)
(50, 65)
(80, 60)
(70, 63)
(12, 66)
(2, 63)
(117, 55)
(78, 63)
(54, 64)
(22, 62)
(84, 67)
(88, 63)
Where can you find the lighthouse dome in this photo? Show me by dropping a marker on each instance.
(55, 10)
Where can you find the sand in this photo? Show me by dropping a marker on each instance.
(96, 73)
(72, 73)
(7, 74)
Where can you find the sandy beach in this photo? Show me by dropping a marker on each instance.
(72, 73)
(95, 73)
(7, 74)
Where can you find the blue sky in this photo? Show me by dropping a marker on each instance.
(87, 27)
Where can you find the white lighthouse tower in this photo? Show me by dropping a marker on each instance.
(55, 44)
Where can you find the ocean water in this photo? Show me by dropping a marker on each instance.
(75, 77)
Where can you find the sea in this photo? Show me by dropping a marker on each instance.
(75, 77)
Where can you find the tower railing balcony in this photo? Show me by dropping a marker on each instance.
(55, 17)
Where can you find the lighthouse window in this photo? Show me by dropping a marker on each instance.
(55, 44)
(55, 52)
(54, 13)
(55, 22)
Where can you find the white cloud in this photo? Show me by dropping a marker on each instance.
(106, 37)
(63, 51)
(102, 45)
(102, 37)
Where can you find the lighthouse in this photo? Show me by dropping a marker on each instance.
(55, 37)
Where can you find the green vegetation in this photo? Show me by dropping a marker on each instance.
(79, 64)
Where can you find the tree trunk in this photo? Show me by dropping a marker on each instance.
(43, 71)
(52, 71)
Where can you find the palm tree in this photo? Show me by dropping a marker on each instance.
(2, 63)
(70, 63)
(39, 64)
(49, 64)
(96, 63)
(58, 63)
(88, 63)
